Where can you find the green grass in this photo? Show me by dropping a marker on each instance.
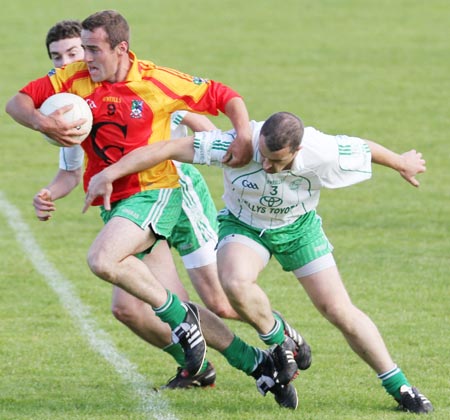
(375, 69)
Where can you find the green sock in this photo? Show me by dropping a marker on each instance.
(204, 366)
(173, 311)
(242, 356)
(275, 335)
(392, 380)
(176, 351)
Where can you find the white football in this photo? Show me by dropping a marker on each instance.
(80, 110)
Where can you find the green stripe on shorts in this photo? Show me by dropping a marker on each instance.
(197, 224)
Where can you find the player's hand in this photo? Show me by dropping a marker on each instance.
(57, 128)
(239, 153)
(43, 205)
(99, 186)
(413, 164)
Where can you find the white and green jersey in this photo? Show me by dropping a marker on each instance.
(269, 201)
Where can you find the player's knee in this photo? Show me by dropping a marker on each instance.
(341, 316)
(99, 265)
(228, 313)
(123, 314)
(220, 309)
(232, 288)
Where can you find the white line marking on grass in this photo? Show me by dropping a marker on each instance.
(152, 404)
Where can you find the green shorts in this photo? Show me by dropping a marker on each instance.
(197, 224)
(158, 210)
(293, 246)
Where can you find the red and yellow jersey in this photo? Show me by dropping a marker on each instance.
(131, 114)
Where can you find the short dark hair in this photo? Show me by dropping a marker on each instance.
(62, 30)
(281, 130)
(114, 24)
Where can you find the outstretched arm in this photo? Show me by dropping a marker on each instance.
(137, 161)
(408, 164)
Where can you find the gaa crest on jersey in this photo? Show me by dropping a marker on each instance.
(251, 185)
(137, 107)
(51, 72)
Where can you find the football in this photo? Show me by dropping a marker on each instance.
(80, 110)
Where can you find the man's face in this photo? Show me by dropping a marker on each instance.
(103, 61)
(274, 162)
(66, 51)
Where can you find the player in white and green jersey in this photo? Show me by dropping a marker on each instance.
(271, 210)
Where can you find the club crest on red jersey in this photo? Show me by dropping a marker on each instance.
(137, 107)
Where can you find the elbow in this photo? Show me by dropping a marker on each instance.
(9, 108)
(14, 104)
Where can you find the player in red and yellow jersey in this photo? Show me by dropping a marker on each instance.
(194, 237)
(131, 101)
(131, 113)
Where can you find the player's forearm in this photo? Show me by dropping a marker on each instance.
(237, 112)
(383, 156)
(197, 122)
(21, 108)
(149, 156)
(64, 182)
